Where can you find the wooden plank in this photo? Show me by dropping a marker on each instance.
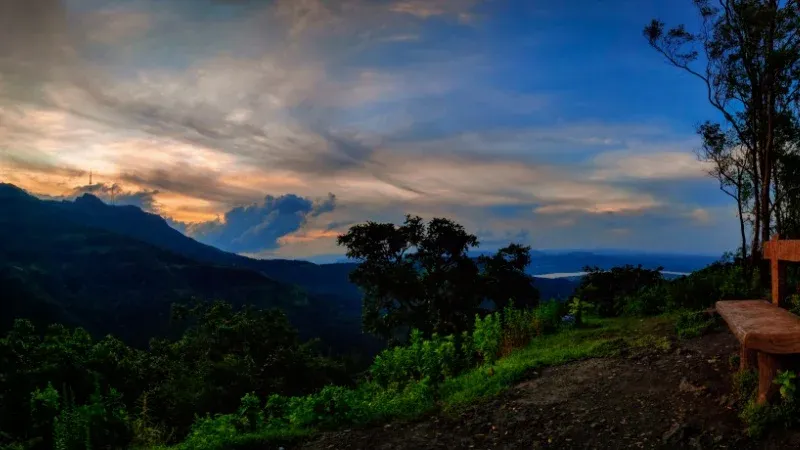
(783, 250)
(778, 269)
(768, 366)
(761, 326)
(747, 359)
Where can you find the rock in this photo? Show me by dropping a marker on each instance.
(674, 434)
(685, 386)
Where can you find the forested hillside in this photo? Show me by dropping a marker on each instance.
(59, 269)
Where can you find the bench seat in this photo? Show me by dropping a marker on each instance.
(765, 331)
(762, 326)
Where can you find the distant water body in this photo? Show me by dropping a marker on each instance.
(580, 274)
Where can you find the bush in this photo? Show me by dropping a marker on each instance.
(649, 301)
(487, 337)
(442, 357)
(520, 326)
(548, 314)
(607, 288)
(436, 359)
(579, 309)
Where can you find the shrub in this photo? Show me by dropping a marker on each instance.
(579, 309)
(649, 301)
(605, 288)
(519, 327)
(436, 359)
(487, 337)
(548, 314)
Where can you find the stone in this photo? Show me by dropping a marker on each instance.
(675, 434)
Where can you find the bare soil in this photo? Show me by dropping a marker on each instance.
(679, 399)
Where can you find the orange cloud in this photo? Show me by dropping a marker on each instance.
(308, 236)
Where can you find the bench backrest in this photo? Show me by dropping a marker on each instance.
(779, 252)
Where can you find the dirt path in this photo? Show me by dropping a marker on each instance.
(679, 399)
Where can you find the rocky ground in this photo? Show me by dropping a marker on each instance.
(650, 399)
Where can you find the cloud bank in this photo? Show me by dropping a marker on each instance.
(258, 227)
(443, 108)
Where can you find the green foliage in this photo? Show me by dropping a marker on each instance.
(520, 326)
(785, 379)
(647, 294)
(420, 276)
(605, 288)
(745, 383)
(719, 281)
(793, 304)
(224, 356)
(487, 336)
(284, 418)
(548, 315)
(433, 358)
(784, 411)
(649, 301)
(692, 324)
(734, 361)
(580, 309)
(756, 417)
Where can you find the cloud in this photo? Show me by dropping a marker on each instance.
(660, 165)
(425, 9)
(700, 216)
(258, 227)
(115, 26)
(193, 111)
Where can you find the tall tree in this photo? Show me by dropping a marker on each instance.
(729, 166)
(420, 276)
(504, 279)
(747, 55)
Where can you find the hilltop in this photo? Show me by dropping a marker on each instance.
(672, 398)
(84, 263)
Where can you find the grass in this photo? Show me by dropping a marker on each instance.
(606, 337)
(370, 403)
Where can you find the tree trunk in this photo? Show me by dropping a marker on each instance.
(745, 264)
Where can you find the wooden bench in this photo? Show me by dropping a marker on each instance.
(765, 330)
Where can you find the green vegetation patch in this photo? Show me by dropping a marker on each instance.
(283, 419)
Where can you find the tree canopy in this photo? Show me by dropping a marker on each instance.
(421, 276)
(747, 54)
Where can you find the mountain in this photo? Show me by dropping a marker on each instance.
(328, 281)
(575, 261)
(108, 267)
(85, 263)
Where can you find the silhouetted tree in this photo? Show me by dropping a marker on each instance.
(504, 279)
(420, 276)
(603, 288)
(747, 53)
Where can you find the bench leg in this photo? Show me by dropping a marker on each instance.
(768, 366)
(747, 359)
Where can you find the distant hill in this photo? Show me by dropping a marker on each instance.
(575, 261)
(114, 268)
(84, 263)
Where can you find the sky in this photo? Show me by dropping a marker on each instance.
(267, 128)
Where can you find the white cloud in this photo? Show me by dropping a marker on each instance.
(661, 165)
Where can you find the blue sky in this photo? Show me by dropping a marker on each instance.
(549, 123)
